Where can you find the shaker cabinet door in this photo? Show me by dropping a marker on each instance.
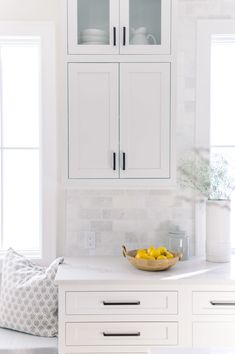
(93, 120)
(145, 120)
(93, 26)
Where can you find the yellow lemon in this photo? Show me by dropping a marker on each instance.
(148, 257)
(150, 249)
(169, 255)
(141, 254)
(162, 250)
(161, 258)
(155, 253)
(140, 251)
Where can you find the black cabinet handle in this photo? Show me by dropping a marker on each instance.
(222, 303)
(124, 161)
(124, 36)
(114, 36)
(105, 303)
(114, 161)
(137, 334)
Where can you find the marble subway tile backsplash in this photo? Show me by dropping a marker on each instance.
(134, 218)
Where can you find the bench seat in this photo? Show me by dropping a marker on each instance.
(12, 342)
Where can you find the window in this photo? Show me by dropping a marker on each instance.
(222, 126)
(27, 140)
(215, 93)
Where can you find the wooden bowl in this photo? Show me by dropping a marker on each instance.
(150, 264)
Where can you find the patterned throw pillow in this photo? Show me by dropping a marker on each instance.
(29, 296)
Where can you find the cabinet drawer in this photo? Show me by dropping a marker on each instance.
(214, 302)
(208, 334)
(121, 303)
(119, 333)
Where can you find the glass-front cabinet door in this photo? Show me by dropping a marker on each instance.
(93, 26)
(145, 26)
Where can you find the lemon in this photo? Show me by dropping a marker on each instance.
(141, 251)
(155, 253)
(161, 258)
(148, 257)
(162, 250)
(150, 249)
(141, 254)
(169, 255)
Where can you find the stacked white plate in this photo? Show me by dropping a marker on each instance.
(94, 36)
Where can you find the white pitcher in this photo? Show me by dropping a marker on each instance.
(140, 36)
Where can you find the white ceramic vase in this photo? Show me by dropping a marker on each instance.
(218, 243)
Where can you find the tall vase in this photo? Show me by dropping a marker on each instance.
(218, 243)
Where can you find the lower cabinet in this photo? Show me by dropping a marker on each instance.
(139, 320)
(119, 120)
(214, 333)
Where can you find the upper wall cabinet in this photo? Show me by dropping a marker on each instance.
(119, 26)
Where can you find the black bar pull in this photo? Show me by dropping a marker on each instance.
(124, 36)
(114, 161)
(137, 334)
(124, 161)
(114, 36)
(134, 303)
(222, 303)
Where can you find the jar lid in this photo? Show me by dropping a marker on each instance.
(177, 234)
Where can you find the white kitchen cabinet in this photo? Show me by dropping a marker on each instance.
(145, 120)
(107, 306)
(119, 26)
(121, 72)
(93, 26)
(93, 120)
(145, 26)
(99, 139)
(214, 333)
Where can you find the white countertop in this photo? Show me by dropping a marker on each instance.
(118, 270)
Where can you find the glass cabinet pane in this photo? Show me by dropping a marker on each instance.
(93, 20)
(145, 22)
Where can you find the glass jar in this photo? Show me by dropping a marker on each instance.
(179, 243)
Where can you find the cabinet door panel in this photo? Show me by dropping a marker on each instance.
(93, 120)
(213, 334)
(91, 26)
(145, 120)
(145, 26)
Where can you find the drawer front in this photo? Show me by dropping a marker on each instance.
(213, 334)
(117, 333)
(216, 302)
(78, 303)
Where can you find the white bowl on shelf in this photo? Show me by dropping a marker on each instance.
(94, 32)
(91, 38)
(94, 43)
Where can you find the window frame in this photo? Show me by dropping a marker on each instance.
(206, 28)
(48, 168)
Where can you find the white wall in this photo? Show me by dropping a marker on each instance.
(29, 10)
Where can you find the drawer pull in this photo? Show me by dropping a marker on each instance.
(105, 303)
(137, 334)
(222, 303)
